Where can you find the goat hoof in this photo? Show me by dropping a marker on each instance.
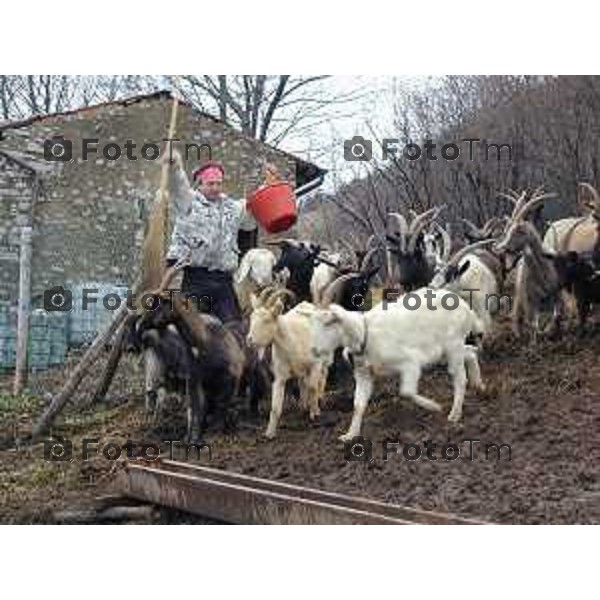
(454, 418)
(346, 437)
(269, 435)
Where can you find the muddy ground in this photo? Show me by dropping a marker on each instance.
(543, 402)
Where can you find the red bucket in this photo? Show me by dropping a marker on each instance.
(274, 206)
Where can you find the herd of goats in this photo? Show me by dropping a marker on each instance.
(304, 312)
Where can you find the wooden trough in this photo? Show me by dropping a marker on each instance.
(240, 499)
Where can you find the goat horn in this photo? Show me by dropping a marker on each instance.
(277, 295)
(595, 198)
(566, 239)
(446, 242)
(458, 256)
(511, 195)
(373, 241)
(265, 294)
(331, 291)
(403, 225)
(367, 258)
(488, 226)
(530, 205)
(420, 223)
(423, 218)
(473, 230)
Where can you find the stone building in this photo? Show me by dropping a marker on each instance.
(88, 216)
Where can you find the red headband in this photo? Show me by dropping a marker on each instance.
(210, 171)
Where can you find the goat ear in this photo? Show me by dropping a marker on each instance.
(464, 267)
(329, 318)
(278, 307)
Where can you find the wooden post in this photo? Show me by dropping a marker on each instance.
(81, 370)
(24, 309)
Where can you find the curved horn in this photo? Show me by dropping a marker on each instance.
(403, 225)
(473, 231)
(595, 204)
(528, 206)
(460, 254)
(265, 294)
(516, 199)
(446, 242)
(423, 217)
(566, 238)
(331, 291)
(373, 242)
(367, 258)
(420, 223)
(511, 195)
(489, 226)
(278, 294)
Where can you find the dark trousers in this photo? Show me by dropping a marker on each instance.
(211, 291)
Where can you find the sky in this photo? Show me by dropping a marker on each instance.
(371, 105)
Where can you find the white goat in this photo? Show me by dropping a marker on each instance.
(289, 335)
(398, 340)
(476, 276)
(322, 276)
(254, 273)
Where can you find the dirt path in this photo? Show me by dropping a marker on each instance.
(545, 404)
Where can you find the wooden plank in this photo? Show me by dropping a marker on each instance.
(241, 499)
(414, 515)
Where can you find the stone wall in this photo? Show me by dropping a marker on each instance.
(88, 222)
(16, 195)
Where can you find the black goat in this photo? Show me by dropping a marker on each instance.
(198, 356)
(300, 260)
(414, 269)
(351, 290)
(580, 276)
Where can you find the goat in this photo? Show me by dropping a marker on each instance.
(476, 276)
(349, 289)
(254, 273)
(492, 228)
(414, 269)
(581, 277)
(576, 234)
(289, 336)
(202, 357)
(324, 273)
(538, 282)
(402, 340)
(299, 258)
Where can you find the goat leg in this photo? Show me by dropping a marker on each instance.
(473, 370)
(362, 394)
(277, 395)
(196, 413)
(456, 368)
(411, 374)
(583, 308)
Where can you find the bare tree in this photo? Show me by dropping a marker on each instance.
(266, 107)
